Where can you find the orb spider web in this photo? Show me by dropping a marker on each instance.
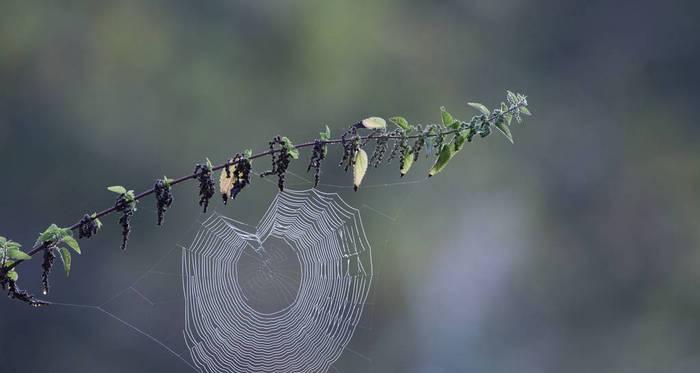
(264, 293)
(286, 297)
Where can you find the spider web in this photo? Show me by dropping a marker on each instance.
(271, 279)
(256, 321)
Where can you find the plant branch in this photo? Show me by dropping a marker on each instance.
(491, 118)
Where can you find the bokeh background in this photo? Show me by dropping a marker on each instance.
(574, 250)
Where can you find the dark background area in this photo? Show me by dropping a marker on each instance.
(574, 250)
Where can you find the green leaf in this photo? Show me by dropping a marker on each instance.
(2, 240)
(52, 233)
(209, 164)
(12, 245)
(525, 110)
(70, 241)
(325, 135)
(508, 117)
(248, 153)
(97, 221)
(130, 197)
(359, 168)
(167, 181)
(460, 139)
(117, 189)
(374, 123)
(16, 254)
(293, 152)
(447, 118)
(66, 259)
(446, 153)
(401, 122)
(512, 97)
(12, 275)
(505, 130)
(407, 163)
(479, 107)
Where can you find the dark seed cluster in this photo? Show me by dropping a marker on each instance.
(242, 173)
(46, 266)
(164, 198)
(399, 144)
(206, 184)
(375, 134)
(280, 162)
(379, 150)
(318, 154)
(418, 146)
(350, 142)
(394, 152)
(87, 227)
(127, 210)
(14, 292)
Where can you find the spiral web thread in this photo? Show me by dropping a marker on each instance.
(228, 329)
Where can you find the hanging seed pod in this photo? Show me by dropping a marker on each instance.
(241, 174)
(14, 292)
(350, 142)
(87, 227)
(280, 159)
(126, 206)
(318, 154)
(379, 150)
(46, 266)
(281, 168)
(418, 145)
(164, 198)
(206, 184)
(273, 157)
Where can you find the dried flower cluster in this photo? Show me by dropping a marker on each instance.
(164, 198)
(88, 227)
(127, 207)
(281, 155)
(379, 150)
(318, 154)
(233, 181)
(203, 174)
(47, 265)
(350, 142)
(241, 173)
(14, 292)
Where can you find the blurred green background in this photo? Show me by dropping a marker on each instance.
(575, 250)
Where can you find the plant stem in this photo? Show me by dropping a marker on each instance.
(40, 245)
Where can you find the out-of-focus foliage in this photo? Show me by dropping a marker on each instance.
(574, 250)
